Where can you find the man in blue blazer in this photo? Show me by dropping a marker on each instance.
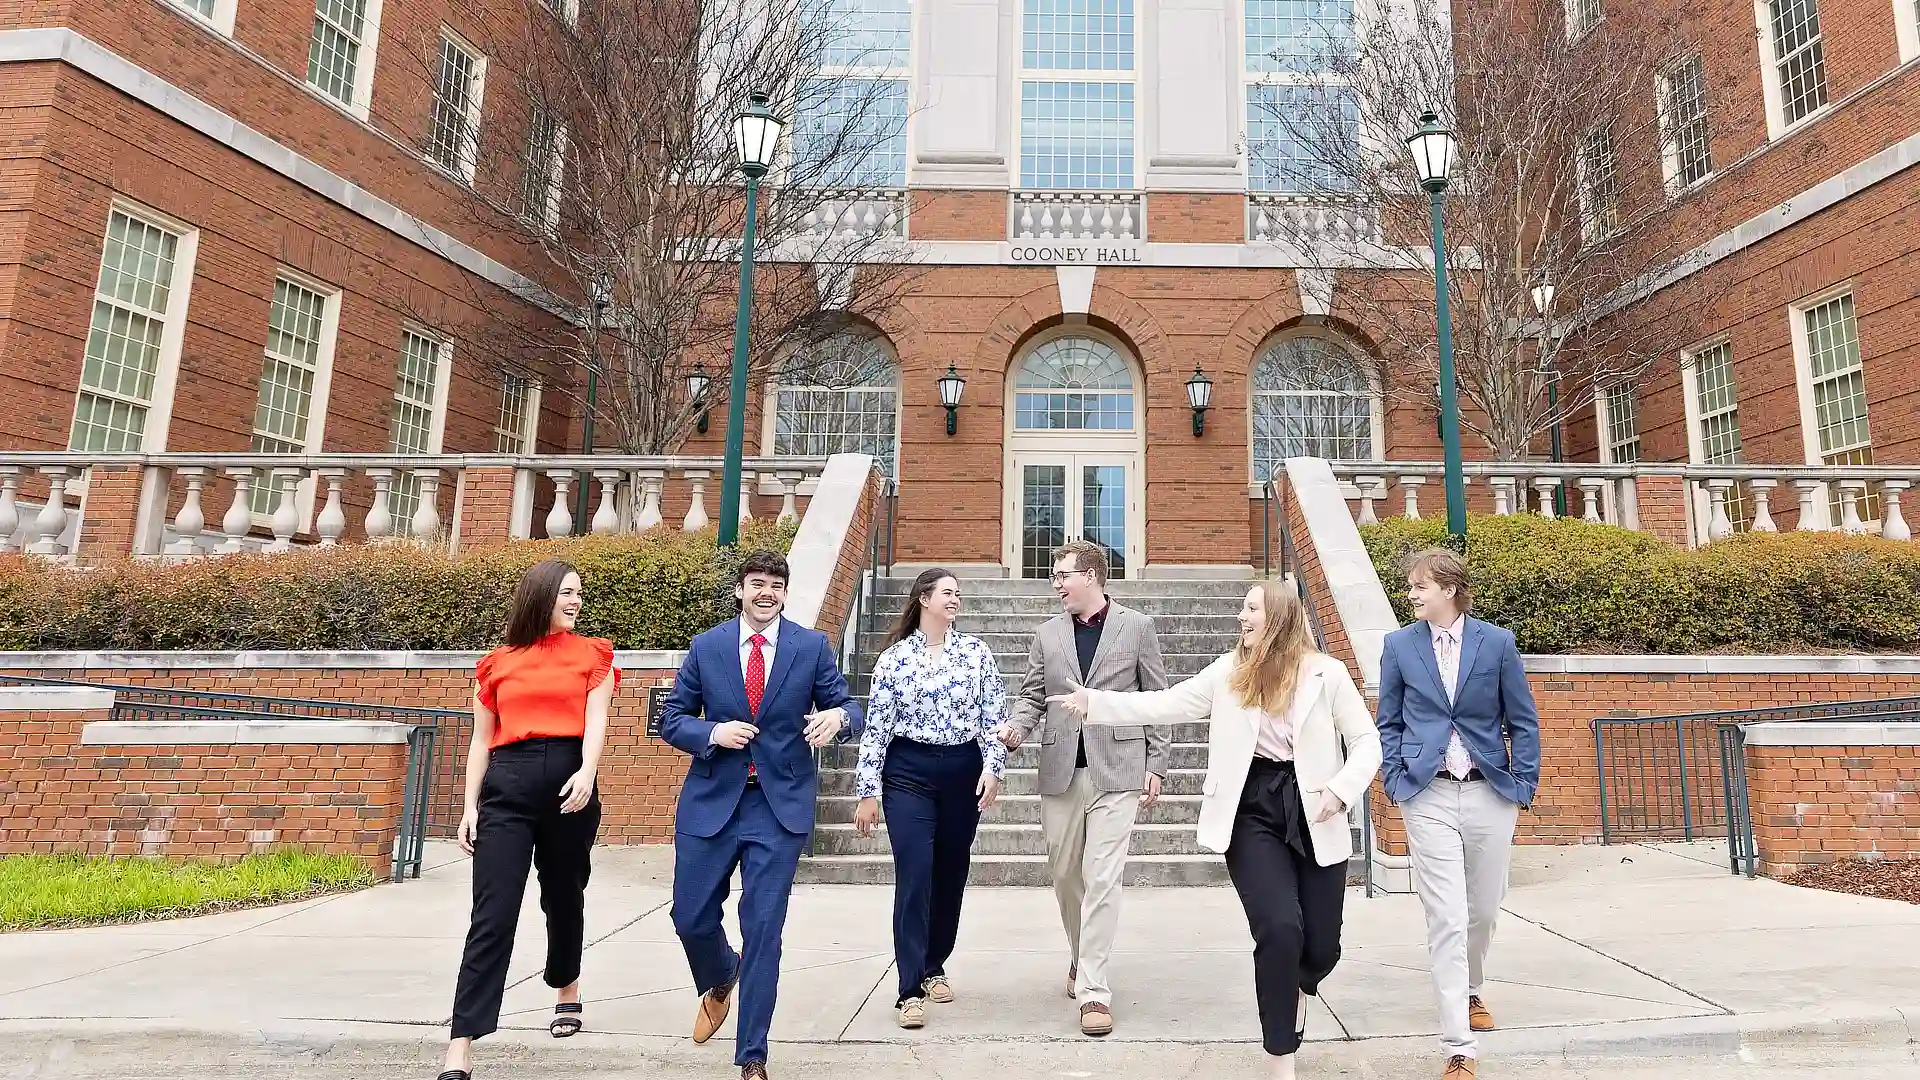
(754, 698)
(1461, 744)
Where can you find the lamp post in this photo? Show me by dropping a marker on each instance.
(756, 132)
(601, 289)
(697, 384)
(1543, 303)
(1433, 149)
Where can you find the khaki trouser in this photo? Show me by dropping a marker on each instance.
(1460, 841)
(1087, 835)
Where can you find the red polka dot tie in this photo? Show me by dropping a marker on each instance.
(756, 680)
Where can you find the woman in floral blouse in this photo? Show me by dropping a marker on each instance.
(930, 755)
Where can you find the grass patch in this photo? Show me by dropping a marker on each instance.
(48, 891)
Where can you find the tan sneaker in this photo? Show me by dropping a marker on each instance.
(913, 1013)
(1458, 1068)
(1095, 1019)
(938, 989)
(1477, 1015)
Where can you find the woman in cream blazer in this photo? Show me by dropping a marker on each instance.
(1291, 747)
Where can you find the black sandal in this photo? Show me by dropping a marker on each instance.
(566, 1021)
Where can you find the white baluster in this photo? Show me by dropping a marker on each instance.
(812, 222)
(789, 488)
(1590, 498)
(426, 516)
(1761, 488)
(239, 520)
(560, 518)
(9, 505)
(1719, 526)
(1410, 487)
(286, 510)
(1127, 231)
(1851, 493)
(1809, 517)
(1026, 221)
(746, 495)
(1106, 222)
(191, 521)
(1502, 495)
(651, 481)
(331, 523)
(1546, 487)
(1892, 525)
(871, 223)
(43, 537)
(696, 518)
(1370, 489)
(1046, 221)
(380, 515)
(1086, 221)
(606, 519)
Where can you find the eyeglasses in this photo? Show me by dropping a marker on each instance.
(1059, 577)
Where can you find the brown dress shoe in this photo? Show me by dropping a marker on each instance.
(1095, 1019)
(1458, 1068)
(753, 1070)
(714, 1005)
(1477, 1015)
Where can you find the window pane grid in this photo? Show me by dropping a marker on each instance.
(1583, 15)
(540, 189)
(122, 357)
(333, 58)
(1077, 35)
(852, 132)
(1799, 57)
(1074, 384)
(1599, 185)
(514, 433)
(413, 408)
(1720, 424)
(866, 34)
(1043, 517)
(1076, 135)
(1278, 162)
(1295, 36)
(450, 133)
(841, 395)
(287, 376)
(1623, 426)
(1686, 128)
(202, 8)
(1311, 398)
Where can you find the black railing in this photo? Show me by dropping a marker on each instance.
(425, 748)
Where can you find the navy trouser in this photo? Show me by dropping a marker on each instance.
(928, 795)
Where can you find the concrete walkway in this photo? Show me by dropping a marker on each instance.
(1633, 950)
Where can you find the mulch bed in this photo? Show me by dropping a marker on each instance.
(1886, 879)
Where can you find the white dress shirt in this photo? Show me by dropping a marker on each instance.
(1446, 649)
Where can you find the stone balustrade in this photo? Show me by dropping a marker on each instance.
(1853, 498)
(1285, 218)
(158, 504)
(1064, 215)
(858, 213)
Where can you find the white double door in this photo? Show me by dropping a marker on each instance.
(1056, 496)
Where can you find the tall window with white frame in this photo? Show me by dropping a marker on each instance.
(1796, 75)
(1686, 157)
(1717, 407)
(1838, 383)
(1622, 408)
(542, 171)
(1312, 397)
(132, 303)
(338, 54)
(294, 355)
(1289, 49)
(1906, 16)
(1598, 174)
(1582, 16)
(1077, 95)
(840, 395)
(850, 116)
(518, 427)
(416, 408)
(453, 134)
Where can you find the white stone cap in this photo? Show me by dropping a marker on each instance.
(243, 733)
(54, 698)
(1834, 733)
(624, 659)
(815, 553)
(1754, 664)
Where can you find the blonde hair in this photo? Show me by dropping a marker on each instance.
(1265, 672)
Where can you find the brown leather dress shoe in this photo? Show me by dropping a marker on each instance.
(1477, 1015)
(1095, 1019)
(753, 1070)
(1458, 1068)
(714, 1005)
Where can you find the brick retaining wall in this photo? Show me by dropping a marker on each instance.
(1823, 792)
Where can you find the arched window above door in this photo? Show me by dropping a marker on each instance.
(839, 395)
(1074, 384)
(1313, 396)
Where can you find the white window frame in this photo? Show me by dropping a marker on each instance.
(436, 408)
(1773, 91)
(221, 18)
(1906, 23)
(770, 409)
(877, 73)
(567, 11)
(331, 298)
(526, 439)
(1670, 141)
(1803, 379)
(545, 216)
(366, 60)
(1590, 225)
(467, 153)
(1376, 406)
(1697, 417)
(1363, 12)
(1023, 75)
(173, 332)
(1577, 26)
(1603, 415)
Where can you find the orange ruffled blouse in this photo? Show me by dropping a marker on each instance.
(541, 691)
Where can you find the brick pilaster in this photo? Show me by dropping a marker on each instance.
(109, 514)
(1663, 508)
(486, 507)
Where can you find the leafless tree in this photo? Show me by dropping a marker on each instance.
(1578, 156)
(604, 153)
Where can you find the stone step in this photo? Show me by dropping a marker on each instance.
(983, 625)
(1124, 591)
(1025, 810)
(832, 839)
(1013, 665)
(837, 783)
(1015, 644)
(1180, 756)
(974, 606)
(1192, 731)
(1030, 871)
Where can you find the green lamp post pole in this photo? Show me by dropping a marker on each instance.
(755, 134)
(1433, 149)
(602, 286)
(1543, 303)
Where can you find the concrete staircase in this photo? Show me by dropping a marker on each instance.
(1196, 622)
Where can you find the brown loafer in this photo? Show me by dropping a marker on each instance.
(753, 1070)
(1095, 1019)
(714, 1005)
(1459, 1067)
(1477, 1015)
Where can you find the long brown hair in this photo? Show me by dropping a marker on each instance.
(1265, 672)
(531, 617)
(909, 619)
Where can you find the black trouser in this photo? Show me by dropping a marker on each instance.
(521, 823)
(928, 794)
(1292, 902)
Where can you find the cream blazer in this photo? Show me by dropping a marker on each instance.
(1335, 745)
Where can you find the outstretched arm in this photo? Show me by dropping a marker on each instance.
(1190, 700)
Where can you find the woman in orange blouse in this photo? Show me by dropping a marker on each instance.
(539, 722)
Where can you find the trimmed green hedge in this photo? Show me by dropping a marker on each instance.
(1564, 585)
(644, 592)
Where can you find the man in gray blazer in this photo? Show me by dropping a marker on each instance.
(1093, 780)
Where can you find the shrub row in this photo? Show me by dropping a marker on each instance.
(644, 592)
(1564, 585)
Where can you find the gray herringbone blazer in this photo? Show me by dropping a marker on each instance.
(1128, 658)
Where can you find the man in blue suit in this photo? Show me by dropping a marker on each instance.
(1461, 743)
(754, 698)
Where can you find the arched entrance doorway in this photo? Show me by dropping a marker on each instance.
(1075, 449)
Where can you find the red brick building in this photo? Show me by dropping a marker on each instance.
(226, 230)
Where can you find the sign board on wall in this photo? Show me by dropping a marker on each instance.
(1075, 252)
(656, 708)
